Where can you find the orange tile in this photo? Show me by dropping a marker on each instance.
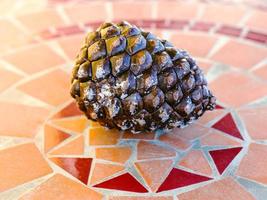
(77, 125)
(115, 154)
(204, 65)
(195, 160)
(142, 8)
(34, 59)
(102, 171)
(69, 110)
(225, 14)
(94, 124)
(51, 85)
(87, 12)
(146, 150)
(7, 79)
(15, 163)
(191, 132)
(60, 187)
(75, 42)
(45, 18)
(261, 72)
(73, 147)
(253, 165)
(9, 37)
(53, 137)
(154, 172)
(255, 122)
(250, 54)
(174, 140)
(144, 136)
(225, 189)
(229, 87)
(27, 119)
(176, 10)
(257, 20)
(139, 198)
(103, 136)
(196, 45)
(209, 116)
(217, 139)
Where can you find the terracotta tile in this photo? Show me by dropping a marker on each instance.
(170, 10)
(204, 65)
(174, 140)
(51, 84)
(209, 116)
(196, 45)
(53, 137)
(73, 147)
(191, 132)
(69, 110)
(45, 19)
(142, 8)
(60, 187)
(75, 42)
(77, 167)
(94, 124)
(261, 72)
(229, 87)
(102, 171)
(225, 189)
(27, 119)
(115, 154)
(257, 20)
(195, 160)
(143, 136)
(255, 122)
(139, 198)
(180, 178)
(92, 11)
(228, 126)
(226, 14)
(9, 37)
(154, 172)
(217, 139)
(8, 78)
(223, 157)
(15, 163)
(256, 36)
(250, 54)
(146, 150)
(103, 136)
(254, 159)
(77, 125)
(34, 59)
(118, 183)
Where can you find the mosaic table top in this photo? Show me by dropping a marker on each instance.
(49, 150)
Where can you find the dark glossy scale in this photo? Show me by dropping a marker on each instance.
(174, 95)
(130, 31)
(85, 72)
(113, 108)
(115, 45)
(135, 44)
(109, 32)
(153, 100)
(82, 56)
(196, 95)
(185, 107)
(182, 68)
(167, 79)
(125, 84)
(154, 46)
(141, 121)
(120, 63)
(188, 83)
(162, 114)
(140, 62)
(92, 38)
(88, 91)
(97, 50)
(75, 89)
(132, 104)
(162, 61)
(147, 81)
(100, 69)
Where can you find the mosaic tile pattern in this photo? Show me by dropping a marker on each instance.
(49, 150)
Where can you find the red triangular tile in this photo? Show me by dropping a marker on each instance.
(218, 107)
(125, 182)
(77, 167)
(53, 137)
(228, 126)
(180, 178)
(68, 111)
(223, 157)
